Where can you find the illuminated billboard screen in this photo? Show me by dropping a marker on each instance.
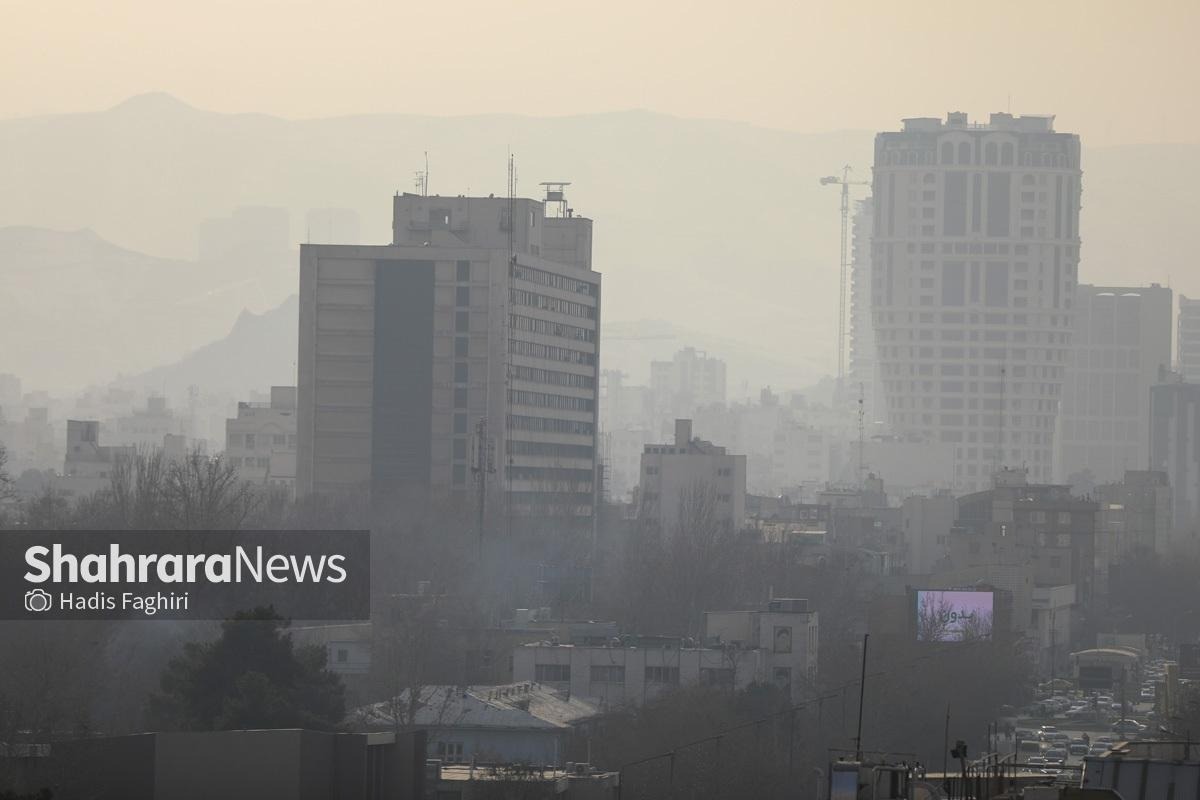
(953, 616)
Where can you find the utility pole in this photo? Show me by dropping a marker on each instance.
(844, 266)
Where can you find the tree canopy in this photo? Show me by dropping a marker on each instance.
(252, 676)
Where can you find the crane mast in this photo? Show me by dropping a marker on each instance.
(843, 272)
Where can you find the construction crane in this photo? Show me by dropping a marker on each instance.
(845, 182)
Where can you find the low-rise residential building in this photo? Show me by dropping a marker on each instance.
(89, 465)
(524, 722)
(689, 474)
(776, 644)
(145, 428)
(261, 441)
(486, 781)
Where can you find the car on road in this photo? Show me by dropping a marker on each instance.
(1056, 755)
(1060, 739)
(1047, 731)
(1079, 749)
(1024, 734)
(1127, 727)
(1097, 750)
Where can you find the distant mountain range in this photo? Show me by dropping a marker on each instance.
(257, 353)
(705, 225)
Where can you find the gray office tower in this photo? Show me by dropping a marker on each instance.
(1120, 343)
(974, 256)
(466, 350)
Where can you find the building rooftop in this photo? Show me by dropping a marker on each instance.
(998, 121)
(511, 706)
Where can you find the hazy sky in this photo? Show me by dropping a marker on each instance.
(1115, 72)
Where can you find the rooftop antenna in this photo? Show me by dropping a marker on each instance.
(555, 194)
(421, 178)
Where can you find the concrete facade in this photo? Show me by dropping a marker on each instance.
(1175, 450)
(261, 440)
(684, 473)
(406, 349)
(776, 644)
(691, 379)
(1120, 341)
(1188, 342)
(974, 255)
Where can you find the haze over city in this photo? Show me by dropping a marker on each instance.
(776, 400)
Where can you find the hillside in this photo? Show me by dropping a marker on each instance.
(701, 224)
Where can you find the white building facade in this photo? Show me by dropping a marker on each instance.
(691, 471)
(974, 265)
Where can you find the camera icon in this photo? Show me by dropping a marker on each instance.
(38, 600)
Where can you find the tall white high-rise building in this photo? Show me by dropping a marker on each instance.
(974, 256)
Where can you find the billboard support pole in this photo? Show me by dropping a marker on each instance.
(946, 754)
(862, 693)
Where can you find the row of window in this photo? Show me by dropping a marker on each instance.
(554, 377)
(563, 477)
(250, 441)
(545, 425)
(549, 449)
(546, 327)
(606, 673)
(550, 352)
(520, 297)
(535, 275)
(559, 402)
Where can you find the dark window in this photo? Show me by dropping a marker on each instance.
(996, 285)
(662, 675)
(464, 270)
(462, 321)
(460, 423)
(460, 372)
(462, 296)
(607, 673)
(460, 397)
(998, 193)
(551, 673)
(460, 347)
(954, 283)
(954, 216)
(460, 449)
(460, 474)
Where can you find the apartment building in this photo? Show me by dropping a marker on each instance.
(974, 258)
(467, 349)
(261, 440)
(690, 477)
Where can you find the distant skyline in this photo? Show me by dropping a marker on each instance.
(787, 65)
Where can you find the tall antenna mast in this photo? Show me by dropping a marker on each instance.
(512, 263)
(999, 459)
(426, 192)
